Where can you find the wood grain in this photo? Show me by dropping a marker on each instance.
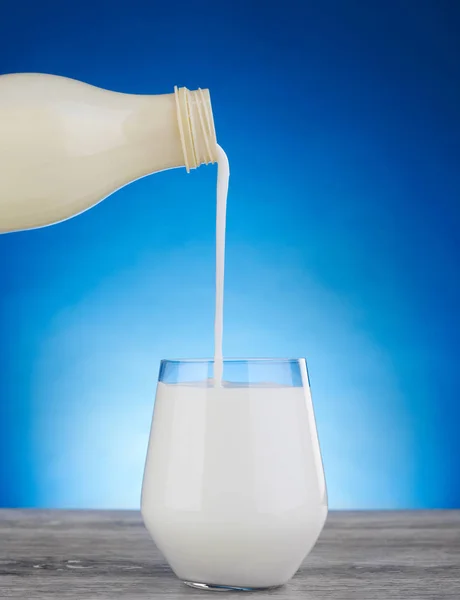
(109, 555)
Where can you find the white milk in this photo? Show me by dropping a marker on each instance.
(221, 215)
(234, 492)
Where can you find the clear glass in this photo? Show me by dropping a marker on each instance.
(234, 493)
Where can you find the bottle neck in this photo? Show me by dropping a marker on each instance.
(196, 127)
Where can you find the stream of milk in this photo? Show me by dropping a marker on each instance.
(223, 176)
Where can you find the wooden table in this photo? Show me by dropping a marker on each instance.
(108, 555)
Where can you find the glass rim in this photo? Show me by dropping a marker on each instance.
(232, 360)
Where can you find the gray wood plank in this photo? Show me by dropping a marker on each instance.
(108, 555)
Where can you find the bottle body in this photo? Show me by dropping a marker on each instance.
(66, 145)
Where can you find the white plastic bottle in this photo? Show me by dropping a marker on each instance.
(65, 145)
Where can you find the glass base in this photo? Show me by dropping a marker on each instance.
(224, 588)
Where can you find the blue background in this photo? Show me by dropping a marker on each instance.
(341, 121)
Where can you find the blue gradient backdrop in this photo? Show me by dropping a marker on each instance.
(341, 121)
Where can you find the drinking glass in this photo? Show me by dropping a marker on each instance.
(234, 494)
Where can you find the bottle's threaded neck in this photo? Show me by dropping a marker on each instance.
(196, 127)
